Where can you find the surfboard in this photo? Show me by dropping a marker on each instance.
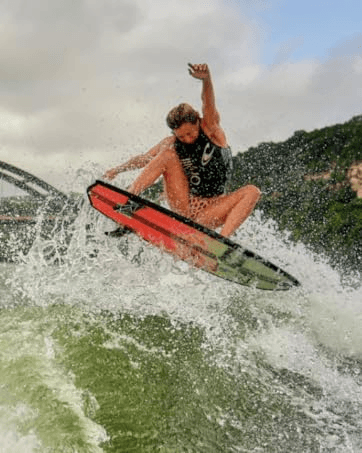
(187, 240)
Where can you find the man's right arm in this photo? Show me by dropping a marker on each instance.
(134, 163)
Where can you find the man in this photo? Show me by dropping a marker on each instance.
(195, 162)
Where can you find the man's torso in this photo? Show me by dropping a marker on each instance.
(207, 166)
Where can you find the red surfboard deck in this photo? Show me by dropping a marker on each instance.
(187, 240)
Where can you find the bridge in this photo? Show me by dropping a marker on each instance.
(29, 206)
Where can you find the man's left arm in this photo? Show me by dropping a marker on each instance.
(209, 111)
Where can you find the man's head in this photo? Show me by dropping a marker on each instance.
(184, 122)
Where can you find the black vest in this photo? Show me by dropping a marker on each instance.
(208, 167)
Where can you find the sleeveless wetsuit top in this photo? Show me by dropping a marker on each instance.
(208, 167)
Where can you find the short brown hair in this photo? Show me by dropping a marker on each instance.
(181, 114)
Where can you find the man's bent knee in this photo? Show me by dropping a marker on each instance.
(255, 191)
(251, 191)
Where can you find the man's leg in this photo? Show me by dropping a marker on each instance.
(230, 210)
(168, 165)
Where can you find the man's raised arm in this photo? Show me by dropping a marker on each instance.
(209, 111)
(211, 117)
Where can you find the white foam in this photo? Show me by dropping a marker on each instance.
(299, 330)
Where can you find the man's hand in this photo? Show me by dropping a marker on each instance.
(199, 71)
(111, 174)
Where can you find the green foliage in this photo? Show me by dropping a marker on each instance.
(323, 213)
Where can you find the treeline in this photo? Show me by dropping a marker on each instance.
(304, 184)
(306, 190)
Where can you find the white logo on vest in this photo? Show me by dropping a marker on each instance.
(207, 155)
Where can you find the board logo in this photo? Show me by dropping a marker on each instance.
(129, 208)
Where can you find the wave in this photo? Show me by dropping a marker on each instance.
(118, 347)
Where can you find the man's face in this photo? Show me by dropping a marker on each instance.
(187, 133)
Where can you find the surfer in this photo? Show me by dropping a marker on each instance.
(196, 165)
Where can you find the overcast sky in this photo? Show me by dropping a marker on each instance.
(88, 83)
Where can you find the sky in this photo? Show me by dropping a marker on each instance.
(86, 84)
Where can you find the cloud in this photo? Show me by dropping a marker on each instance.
(93, 81)
(291, 96)
(348, 48)
(89, 75)
(287, 48)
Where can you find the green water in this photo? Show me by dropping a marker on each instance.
(127, 351)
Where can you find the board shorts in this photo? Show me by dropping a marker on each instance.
(198, 204)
